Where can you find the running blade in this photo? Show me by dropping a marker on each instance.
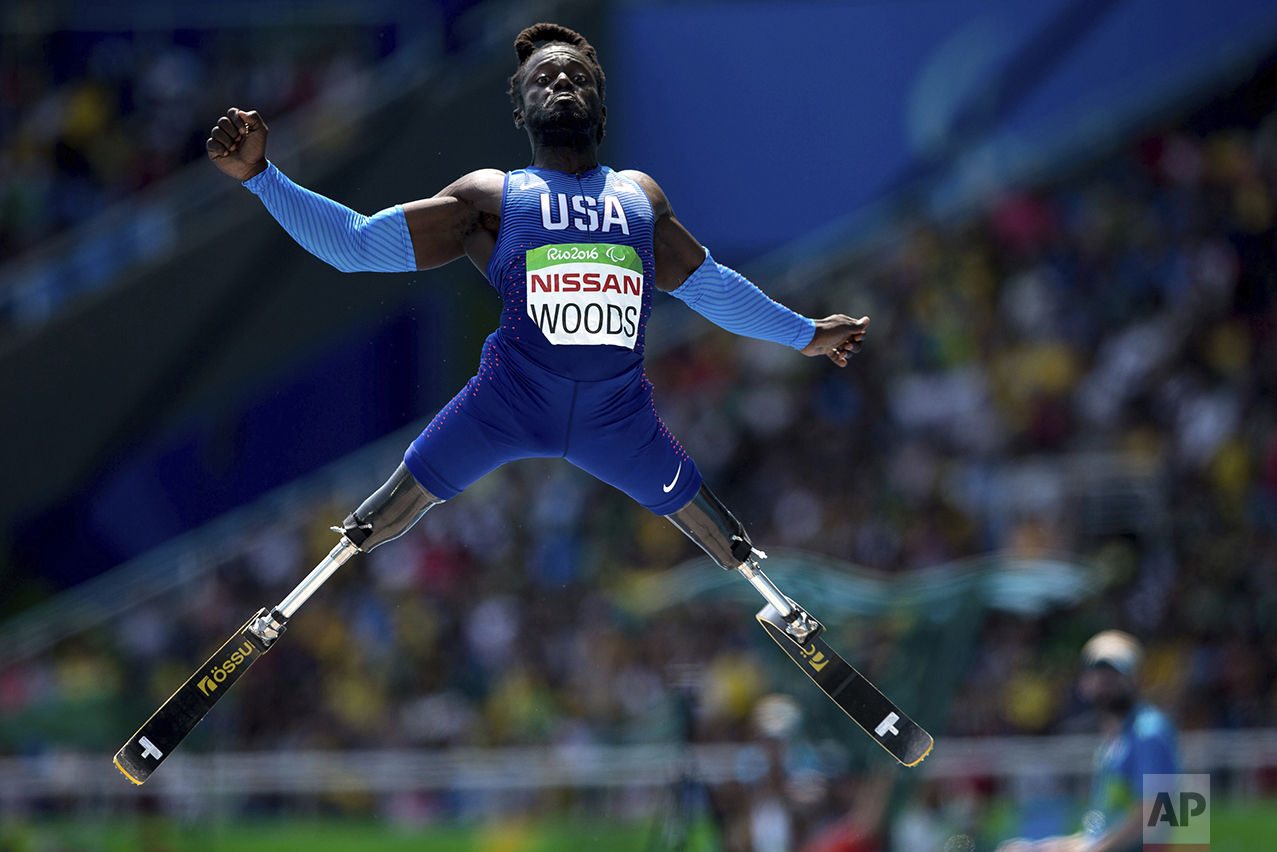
(850, 690)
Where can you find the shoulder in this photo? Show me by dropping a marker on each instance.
(480, 188)
(660, 204)
(1150, 723)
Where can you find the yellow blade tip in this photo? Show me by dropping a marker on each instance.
(924, 754)
(125, 772)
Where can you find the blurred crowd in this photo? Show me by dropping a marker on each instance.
(1091, 368)
(90, 118)
(1087, 368)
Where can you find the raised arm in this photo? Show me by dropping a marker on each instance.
(685, 269)
(459, 220)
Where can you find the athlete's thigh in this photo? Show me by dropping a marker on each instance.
(493, 420)
(617, 436)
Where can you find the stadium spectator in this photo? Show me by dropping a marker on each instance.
(1138, 740)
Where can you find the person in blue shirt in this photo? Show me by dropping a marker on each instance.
(1137, 740)
(575, 250)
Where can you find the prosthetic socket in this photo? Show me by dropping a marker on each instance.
(707, 522)
(389, 512)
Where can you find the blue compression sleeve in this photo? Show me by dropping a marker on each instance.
(728, 299)
(333, 232)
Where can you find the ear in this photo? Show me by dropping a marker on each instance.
(602, 127)
(518, 118)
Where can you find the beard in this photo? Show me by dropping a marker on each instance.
(1116, 704)
(565, 124)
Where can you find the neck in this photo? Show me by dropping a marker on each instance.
(571, 159)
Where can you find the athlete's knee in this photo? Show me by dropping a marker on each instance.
(706, 521)
(389, 512)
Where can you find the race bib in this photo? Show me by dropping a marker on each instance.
(586, 294)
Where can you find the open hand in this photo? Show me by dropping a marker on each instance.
(838, 337)
(237, 144)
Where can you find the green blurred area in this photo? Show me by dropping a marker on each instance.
(1235, 827)
(1243, 826)
(161, 834)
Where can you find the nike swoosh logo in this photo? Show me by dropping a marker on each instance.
(670, 487)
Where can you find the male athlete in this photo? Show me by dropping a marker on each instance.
(574, 249)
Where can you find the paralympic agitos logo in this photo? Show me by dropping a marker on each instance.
(221, 671)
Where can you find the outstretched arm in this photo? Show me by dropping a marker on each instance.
(685, 269)
(418, 235)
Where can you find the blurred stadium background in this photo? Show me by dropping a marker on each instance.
(1060, 217)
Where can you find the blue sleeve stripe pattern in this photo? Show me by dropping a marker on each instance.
(333, 232)
(728, 299)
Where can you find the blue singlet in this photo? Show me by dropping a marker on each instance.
(563, 375)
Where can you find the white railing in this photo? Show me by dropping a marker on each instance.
(302, 773)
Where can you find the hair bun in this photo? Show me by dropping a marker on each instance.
(525, 44)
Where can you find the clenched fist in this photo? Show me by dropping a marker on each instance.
(838, 337)
(237, 145)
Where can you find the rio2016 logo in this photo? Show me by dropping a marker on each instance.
(219, 673)
(571, 253)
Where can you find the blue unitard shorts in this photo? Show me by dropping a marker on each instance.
(513, 410)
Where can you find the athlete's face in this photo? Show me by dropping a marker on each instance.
(561, 102)
(1106, 688)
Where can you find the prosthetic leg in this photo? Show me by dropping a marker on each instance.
(398, 504)
(387, 514)
(707, 522)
